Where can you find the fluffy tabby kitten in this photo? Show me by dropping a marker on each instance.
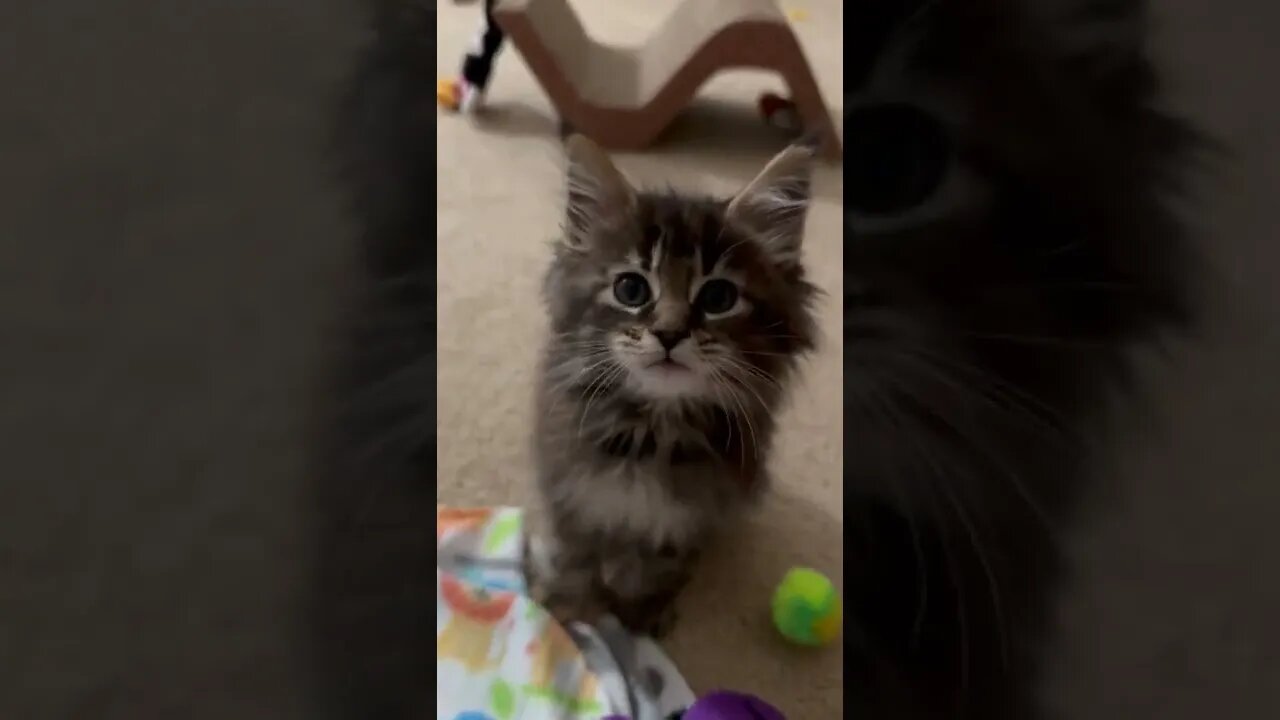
(676, 323)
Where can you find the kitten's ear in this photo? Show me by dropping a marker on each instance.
(600, 198)
(773, 206)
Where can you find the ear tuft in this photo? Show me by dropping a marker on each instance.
(599, 197)
(773, 206)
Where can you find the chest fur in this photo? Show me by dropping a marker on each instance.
(630, 499)
(658, 478)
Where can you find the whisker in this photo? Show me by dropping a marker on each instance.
(751, 428)
(752, 371)
(743, 417)
(720, 399)
(972, 441)
(594, 389)
(734, 374)
(962, 606)
(572, 374)
(900, 423)
(917, 549)
(1034, 407)
(976, 541)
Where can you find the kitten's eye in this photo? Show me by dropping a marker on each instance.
(631, 289)
(717, 296)
(896, 154)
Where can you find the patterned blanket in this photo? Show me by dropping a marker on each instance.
(500, 656)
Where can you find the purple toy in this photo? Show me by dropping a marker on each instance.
(725, 705)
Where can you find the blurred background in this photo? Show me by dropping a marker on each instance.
(174, 255)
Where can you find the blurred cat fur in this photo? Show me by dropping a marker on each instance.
(1010, 238)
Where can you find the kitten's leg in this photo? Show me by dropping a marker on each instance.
(643, 588)
(563, 577)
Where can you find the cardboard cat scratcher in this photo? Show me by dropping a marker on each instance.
(624, 97)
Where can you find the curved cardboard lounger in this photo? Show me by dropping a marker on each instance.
(624, 97)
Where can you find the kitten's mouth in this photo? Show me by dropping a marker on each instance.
(668, 379)
(668, 365)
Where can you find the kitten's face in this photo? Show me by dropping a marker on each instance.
(689, 302)
(679, 298)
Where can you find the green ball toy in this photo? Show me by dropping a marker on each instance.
(806, 607)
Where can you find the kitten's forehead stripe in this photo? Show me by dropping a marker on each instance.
(687, 230)
(712, 246)
(645, 254)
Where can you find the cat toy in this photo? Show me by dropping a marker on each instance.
(779, 112)
(724, 705)
(466, 92)
(806, 607)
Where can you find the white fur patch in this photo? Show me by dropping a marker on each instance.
(663, 384)
(632, 499)
(639, 356)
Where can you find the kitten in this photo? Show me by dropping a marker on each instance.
(676, 322)
(1009, 237)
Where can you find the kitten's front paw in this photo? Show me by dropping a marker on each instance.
(566, 594)
(566, 601)
(647, 617)
(576, 610)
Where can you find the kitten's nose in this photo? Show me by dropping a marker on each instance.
(670, 338)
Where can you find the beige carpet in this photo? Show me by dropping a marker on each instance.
(499, 205)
